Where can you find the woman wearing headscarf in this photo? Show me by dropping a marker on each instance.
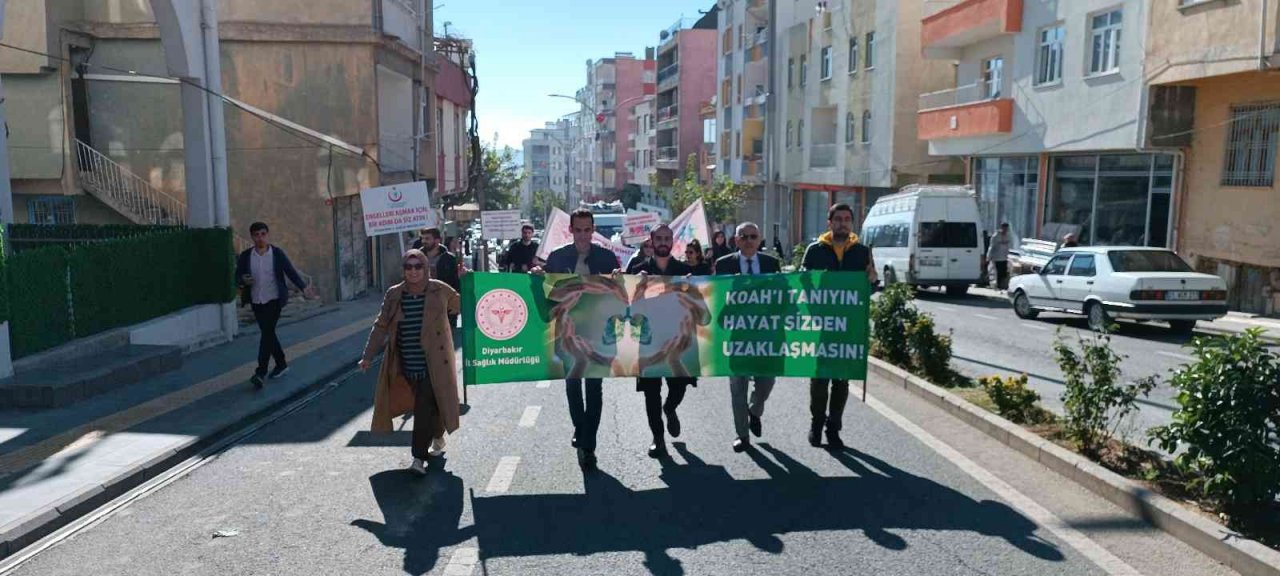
(418, 371)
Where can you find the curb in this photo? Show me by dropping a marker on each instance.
(251, 329)
(1245, 556)
(29, 530)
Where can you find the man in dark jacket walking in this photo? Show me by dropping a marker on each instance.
(442, 262)
(260, 274)
(583, 258)
(837, 249)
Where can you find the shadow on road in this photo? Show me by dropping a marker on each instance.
(703, 505)
(420, 515)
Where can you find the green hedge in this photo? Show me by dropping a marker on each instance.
(31, 236)
(4, 277)
(115, 283)
(39, 318)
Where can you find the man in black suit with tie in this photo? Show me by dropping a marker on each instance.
(748, 260)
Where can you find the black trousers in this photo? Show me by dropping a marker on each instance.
(267, 316)
(818, 397)
(427, 424)
(1002, 274)
(653, 404)
(585, 414)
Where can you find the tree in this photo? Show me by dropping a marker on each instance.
(631, 195)
(721, 198)
(542, 203)
(500, 178)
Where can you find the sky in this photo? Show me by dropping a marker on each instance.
(527, 49)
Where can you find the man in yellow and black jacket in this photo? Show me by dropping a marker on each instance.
(836, 249)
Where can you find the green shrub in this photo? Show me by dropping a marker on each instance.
(4, 277)
(39, 316)
(797, 255)
(1096, 399)
(1228, 417)
(1014, 400)
(891, 314)
(25, 237)
(930, 351)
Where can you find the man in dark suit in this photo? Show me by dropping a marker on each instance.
(750, 261)
(837, 249)
(583, 258)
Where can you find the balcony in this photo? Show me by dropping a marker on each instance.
(944, 34)
(823, 155)
(963, 112)
(668, 76)
(668, 158)
(758, 8)
(669, 113)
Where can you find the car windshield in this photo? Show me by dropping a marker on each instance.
(1147, 261)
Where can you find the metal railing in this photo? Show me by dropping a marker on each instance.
(668, 153)
(668, 113)
(668, 72)
(823, 155)
(958, 96)
(126, 192)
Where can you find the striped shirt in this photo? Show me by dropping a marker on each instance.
(413, 359)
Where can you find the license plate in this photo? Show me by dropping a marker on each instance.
(1182, 295)
(931, 261)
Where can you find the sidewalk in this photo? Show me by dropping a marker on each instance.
(1232, 323)
(58, 464)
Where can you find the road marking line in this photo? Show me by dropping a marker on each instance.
(1175, 355)
(947, 308)
(986, 316)
(1100, 556)
(503, 474)
(530, 416)
(88, 434)
(462, 562)
(1035, 327)
(544, 384)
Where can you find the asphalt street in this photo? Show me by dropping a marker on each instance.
(988, 339)
(315, 493)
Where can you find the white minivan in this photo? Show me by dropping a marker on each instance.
(928, 235)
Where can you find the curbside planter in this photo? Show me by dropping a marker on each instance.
(1245, 556)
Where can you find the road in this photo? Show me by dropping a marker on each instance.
(314, 493)
(988, 339)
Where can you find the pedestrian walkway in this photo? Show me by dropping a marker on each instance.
(57, 464)
(1232, 323)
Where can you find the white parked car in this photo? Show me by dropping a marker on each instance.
(1128, 282)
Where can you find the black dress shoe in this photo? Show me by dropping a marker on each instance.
(657, 450)
(257, 381)
(673, 423)
(815, 436)
(742, 444)
(833, 440)
(574, 442)
(753, 422)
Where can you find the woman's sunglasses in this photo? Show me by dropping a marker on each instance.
(413, 267)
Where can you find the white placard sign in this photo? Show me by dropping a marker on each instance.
(500, 224)
(637, 226)
(397, 208)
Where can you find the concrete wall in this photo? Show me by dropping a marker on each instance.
(25, 25)
(1079, 114)
(1212, 39)
(698, 50)
(277, 11)
(36, 125)
(913, 76)
(1237, 224)
(395, 120)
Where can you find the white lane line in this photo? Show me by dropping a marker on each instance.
(986, 316)
(462, 562)
(1034, 327)
(503, 474)
(544, 384)
(1176, 356)
(530, 416)
(1028, 507)
(946, 308)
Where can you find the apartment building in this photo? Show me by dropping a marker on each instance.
(546, 162)
(643, 137)
(1215, 99)
(319, 88)
(686, 79)
(1048, 112)
(742, 100)
(612, 85)
(848, 75)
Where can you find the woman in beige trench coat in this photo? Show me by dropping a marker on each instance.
(418, 377)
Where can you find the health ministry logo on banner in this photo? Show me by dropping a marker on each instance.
(395, 196)
(501, 314)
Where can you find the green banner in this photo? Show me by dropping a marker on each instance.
(520, 327)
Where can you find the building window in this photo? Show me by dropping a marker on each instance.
(1105, 54)
(800, 134)
(853, 55)
(804, 70)
(992, 77)
(871, 51)
(826, 62)
(788, 133)
(791, 72)
(850, 128)
(866, 127)
(1112, 199)
(51, 210)
(1049, 56)
(1251, 145)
